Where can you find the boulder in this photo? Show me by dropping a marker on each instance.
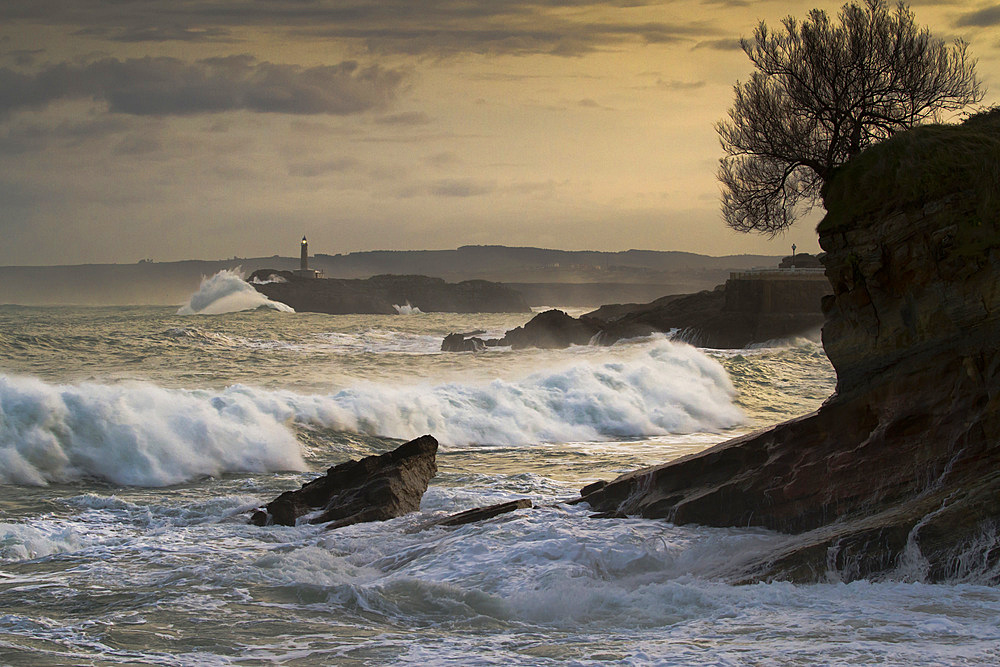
(900, 470)
(457, 342)
(552, 329)
(375, 488)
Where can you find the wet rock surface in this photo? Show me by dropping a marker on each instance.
(375, 488)
(899, 472)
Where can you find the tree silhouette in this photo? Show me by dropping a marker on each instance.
(820, 94)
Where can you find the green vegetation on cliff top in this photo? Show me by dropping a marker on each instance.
(919, 166)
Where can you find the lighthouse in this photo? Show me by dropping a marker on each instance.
(304, 270)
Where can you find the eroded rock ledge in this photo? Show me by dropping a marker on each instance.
(901, 467)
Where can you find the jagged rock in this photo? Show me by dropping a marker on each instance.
(376, 488)
(381, 294)
(458, 342)
(483, 513)
(902, 465)
(552, 329)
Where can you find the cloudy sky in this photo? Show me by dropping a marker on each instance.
(175, 129)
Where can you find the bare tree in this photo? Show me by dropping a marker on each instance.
(820, 94)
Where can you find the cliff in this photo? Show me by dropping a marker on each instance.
(752, 307)
(380, 294)
(898, 473)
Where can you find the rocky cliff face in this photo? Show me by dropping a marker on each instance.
(899, 472)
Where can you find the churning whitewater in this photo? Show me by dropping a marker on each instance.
(145, 435)
(134, 442)
(227, 292)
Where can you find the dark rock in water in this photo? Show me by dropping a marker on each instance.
(552, 329)
(483, 513)
(754, 307)
(376, 488)
(457, 342)
(381, 294)
(901, 467)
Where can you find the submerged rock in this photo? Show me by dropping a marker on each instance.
(900, 470)
(483, 513)
(376, 488)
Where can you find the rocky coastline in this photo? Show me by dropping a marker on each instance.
(386, 294)
(897, 474)
(751, 307)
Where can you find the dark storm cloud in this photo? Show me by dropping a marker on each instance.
(168, 86)
(159, 34)
(410, 118)
(725, 44)
(984, 18)
(461, 188)
(680, 85)
(313, 169)
(438, 27)
(31, 136)
(546, 35)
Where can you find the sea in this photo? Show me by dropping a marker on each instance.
(135, 441)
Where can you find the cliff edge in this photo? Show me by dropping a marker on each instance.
(898, 473)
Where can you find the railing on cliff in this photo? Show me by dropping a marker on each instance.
(769, 273)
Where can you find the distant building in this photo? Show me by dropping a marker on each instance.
(304, 271)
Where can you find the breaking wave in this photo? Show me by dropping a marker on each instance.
(227, 292)
(407, 309)
(145, 435)
(136, 434)
(663, 388)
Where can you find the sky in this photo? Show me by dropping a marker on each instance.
(173, 129)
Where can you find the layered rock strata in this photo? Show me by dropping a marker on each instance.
(375, 488)
(898, 474)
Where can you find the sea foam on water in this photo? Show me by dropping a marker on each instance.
(134, 434)
(146, 435)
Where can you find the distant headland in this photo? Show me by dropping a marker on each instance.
(545, 277)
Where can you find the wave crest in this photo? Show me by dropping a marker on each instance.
(227, 292)
(136, 434)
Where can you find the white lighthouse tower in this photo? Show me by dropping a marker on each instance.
(304, 271)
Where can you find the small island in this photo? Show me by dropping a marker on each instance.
(306, 290)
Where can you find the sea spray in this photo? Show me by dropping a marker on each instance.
(658, 389)
(134, 434)
(227, 292)
(407, 309)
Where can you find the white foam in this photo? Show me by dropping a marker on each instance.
(23, 542)
(407, 309)
(142, 434)
(135, 434)
(657, 389)
(227, 292)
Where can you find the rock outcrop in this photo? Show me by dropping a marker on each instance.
(900, 470)
(552, 329)
(376, 488)
(750, 308)
(384, 294)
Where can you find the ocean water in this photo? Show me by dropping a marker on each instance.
(134, 442)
